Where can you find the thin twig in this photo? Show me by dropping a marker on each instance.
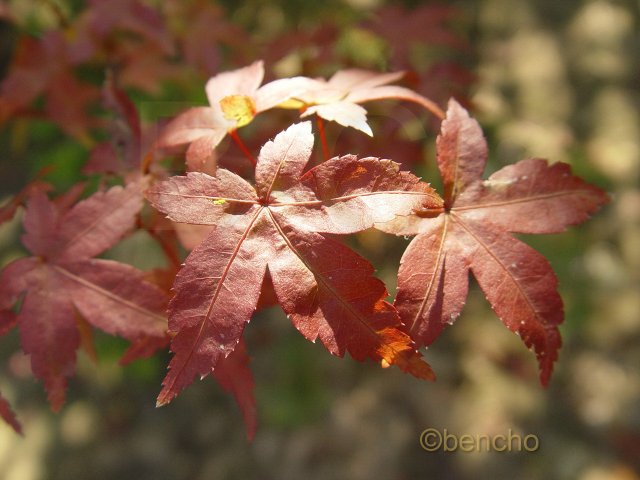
(323, 138)
(241, 145)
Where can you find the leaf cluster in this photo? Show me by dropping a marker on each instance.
(268, 224)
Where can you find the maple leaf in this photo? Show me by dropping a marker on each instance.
(326, 289)
(471, 232)
(61, 282)
(338, 99)
(235, 97)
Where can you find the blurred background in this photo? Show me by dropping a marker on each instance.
(546, 78)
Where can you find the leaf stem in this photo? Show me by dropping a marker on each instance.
(323, 137)
(145, 163)
(434, 108)
(242, 146)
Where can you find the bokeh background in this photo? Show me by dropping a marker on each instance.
(546, 78)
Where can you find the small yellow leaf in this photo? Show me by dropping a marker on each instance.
(240, 108)
(219, 201)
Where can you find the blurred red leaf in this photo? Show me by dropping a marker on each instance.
(207, 30)
(43, 67)
(106, 18)
(62, 278)
(122, 152)
(234, 376)
(429, 24)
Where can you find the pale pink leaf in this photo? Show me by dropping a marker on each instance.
(355, 79)
(195, 123)
(345, 113)
(243, 81)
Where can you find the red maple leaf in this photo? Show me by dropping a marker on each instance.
(61, 285)
(471, 232)
(326, 289)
